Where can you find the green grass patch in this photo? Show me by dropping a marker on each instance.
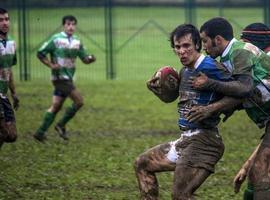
(120, 120)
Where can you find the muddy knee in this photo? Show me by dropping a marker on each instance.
(140, 163)
(79, 105)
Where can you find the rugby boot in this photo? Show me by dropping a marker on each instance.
(61, 131)
(40, 137)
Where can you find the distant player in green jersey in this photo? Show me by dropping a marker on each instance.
(250, 68)
(8, 132)
(64, 48)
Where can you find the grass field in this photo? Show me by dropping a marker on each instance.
(120, 119)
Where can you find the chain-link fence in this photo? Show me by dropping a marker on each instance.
(129, 38)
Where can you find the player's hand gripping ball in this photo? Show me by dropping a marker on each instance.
(165, 84)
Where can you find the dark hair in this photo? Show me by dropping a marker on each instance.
(69, 18)
(218, 26)
(257, 34)
(3, 11)
(183, 30)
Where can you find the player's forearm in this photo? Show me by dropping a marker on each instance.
(44, 60)
(11, 85)
(225, 104)
(246, 166)
(239, 88)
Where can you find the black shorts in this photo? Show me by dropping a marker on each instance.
(6, 110)
(63, 88)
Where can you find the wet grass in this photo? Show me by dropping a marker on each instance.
(120, 120)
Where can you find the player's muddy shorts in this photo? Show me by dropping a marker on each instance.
(63, 88)
(200, 148)
(6, 110)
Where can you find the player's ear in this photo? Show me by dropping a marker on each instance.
(219, 39)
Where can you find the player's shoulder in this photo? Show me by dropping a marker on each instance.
(208, 63)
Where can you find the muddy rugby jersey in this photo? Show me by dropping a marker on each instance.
(63, 51)
(189, 97)
(7, 60)
(243, 58)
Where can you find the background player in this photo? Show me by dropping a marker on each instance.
(63, 48)
(8, 131)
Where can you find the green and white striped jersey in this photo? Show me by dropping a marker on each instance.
(7, 60)
(63, 51)
(245, 58)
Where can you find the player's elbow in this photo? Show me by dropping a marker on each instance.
(40, 56)
(245, 92)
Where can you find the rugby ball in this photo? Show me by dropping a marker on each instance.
(168, 80)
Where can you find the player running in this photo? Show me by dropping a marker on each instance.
(63, 48)
(194, 155)
(8, 131)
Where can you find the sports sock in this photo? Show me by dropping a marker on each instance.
(69, 114)
(249, 192)
(47, 121)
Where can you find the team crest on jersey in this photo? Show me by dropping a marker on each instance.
(253, 49)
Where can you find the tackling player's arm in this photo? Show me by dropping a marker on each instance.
(240, 87)
(226, 105)
(242, 173)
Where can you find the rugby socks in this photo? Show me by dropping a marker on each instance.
(249, 192)
(47, 121)
(69, 114)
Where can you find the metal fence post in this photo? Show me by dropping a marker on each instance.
(266, 12)
(110, 71)
(23, 50)
(190, 11)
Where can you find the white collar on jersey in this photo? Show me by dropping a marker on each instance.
(227, 49)
(199, 61)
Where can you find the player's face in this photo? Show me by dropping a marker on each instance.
(4, 23)
(209, 45)
(186, 51)
(69, 27)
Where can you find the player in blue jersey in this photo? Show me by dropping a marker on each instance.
(8, 131)
(194, 155)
